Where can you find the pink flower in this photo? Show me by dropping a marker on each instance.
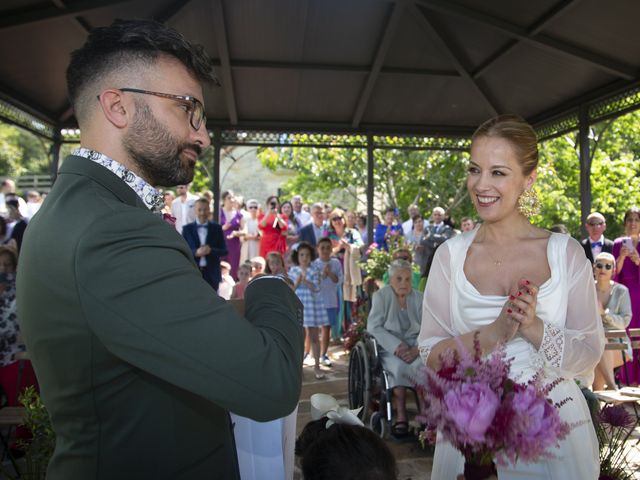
(472, 408)
(170, 219)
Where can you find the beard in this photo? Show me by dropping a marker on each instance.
(156, 152)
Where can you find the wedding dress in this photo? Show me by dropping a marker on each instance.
(572, 344)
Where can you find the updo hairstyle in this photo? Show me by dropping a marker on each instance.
(518, 133)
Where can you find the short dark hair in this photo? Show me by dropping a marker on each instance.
(323, 240)
(631, 211)
(129, 42)
(343, 452)
(301, 245)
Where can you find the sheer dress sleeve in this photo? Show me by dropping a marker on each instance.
(578, 346)
(436, 307)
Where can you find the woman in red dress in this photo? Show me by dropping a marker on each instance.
(274, 227)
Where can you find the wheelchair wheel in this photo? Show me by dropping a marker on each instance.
(379, 425)
(359, 380)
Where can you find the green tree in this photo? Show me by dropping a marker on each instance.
(22, 152)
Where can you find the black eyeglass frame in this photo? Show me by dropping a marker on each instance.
(195, 122)
(606, 266)
(595, 224)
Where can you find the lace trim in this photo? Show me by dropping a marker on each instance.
(552, 346)
(424, 352)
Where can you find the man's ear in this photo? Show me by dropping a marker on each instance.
(115, 109)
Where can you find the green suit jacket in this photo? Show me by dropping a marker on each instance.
(138, 360)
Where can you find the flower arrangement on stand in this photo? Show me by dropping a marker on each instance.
(614, 425)
(487, 416)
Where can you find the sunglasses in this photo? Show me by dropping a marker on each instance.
(252, 207)
(336, 218)
(600, 266)
(596, 224)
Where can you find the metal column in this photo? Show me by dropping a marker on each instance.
(370, 188)
(215, 187)
(585, 166)
(55, 155)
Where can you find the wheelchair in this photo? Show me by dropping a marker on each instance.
(369, 386)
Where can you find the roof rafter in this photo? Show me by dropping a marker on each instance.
(81, 23)
(170, 11)
(544, 42)
(24, 16)
(551, 15)
(220, 31)
(448, 48)
(383, 48)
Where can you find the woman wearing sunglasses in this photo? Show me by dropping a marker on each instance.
(614, 303)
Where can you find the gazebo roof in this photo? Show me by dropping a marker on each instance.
(427, 67)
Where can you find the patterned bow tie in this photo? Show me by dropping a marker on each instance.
(596, 244)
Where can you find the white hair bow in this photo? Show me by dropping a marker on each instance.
(325, 405)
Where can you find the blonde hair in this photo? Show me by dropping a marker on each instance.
(518, 133)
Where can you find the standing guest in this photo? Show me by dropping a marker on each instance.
(7, 191)
(168, 196)
(346, 244)
(614, 305)
(230, 219)
(286, 209)
(302, 217)
(315, 230)
(225, 289)
(250, 234)
(244, 275)
(414, 212)
(18, 224)
(273, 227)
(306, 283)
(625, 250)
(258, 265)
(416, 233)
(34, 202)
(388, 230)
(509, 283)
(595, 243)
(467, 224)
(351, 217)
(330, 281)
(206, 240)
(361, 226)
(130, 346)
(183, 207)
(437, 232)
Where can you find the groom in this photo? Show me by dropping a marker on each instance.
(139, 362)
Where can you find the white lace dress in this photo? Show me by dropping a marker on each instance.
(572, 344)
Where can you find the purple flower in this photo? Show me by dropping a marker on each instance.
(616, 416)
(472, 408)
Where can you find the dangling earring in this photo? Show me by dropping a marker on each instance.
(528, 203)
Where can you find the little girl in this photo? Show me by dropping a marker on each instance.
(275, 264)
(244, 274)
(306, 282)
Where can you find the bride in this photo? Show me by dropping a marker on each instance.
(519, 285)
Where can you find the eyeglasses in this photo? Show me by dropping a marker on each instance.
(600, 266)
(406, 259)
(596, 224)
(194, 106)
(337, 218)
(252, 207)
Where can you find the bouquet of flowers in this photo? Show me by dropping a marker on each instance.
(613, 428)
(489, 417)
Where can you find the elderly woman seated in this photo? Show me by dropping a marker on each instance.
(394, 321)
(614, 304)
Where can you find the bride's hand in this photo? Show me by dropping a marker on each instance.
(505, 326)
(524, 304)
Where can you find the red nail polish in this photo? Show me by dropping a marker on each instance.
(527, 282)
(511, 297)
(519, 293)
(509, 310)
